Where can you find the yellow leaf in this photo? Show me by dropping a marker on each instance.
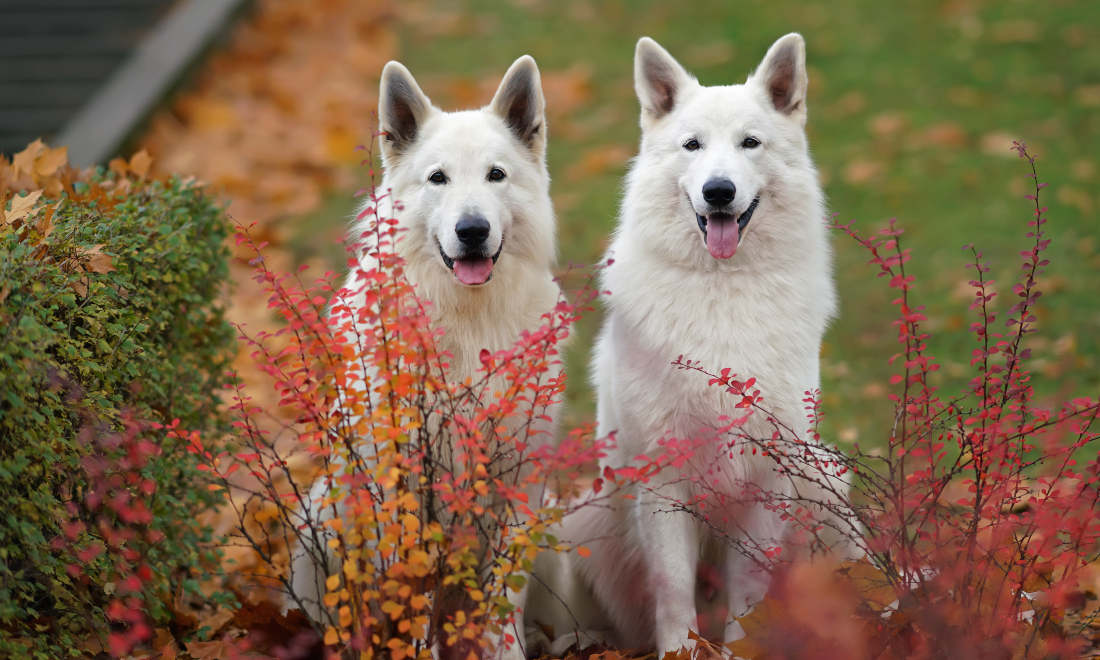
(333, 582)
(21, 206)
(140, 162)
(393, 608)
(331, 636)
(351, 570)
(24, 160)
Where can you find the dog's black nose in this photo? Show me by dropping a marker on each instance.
(472, 230)
(719, 192)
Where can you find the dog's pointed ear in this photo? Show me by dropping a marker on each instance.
(519, 102)
(402, 109)
(782, 76)
(658, 78)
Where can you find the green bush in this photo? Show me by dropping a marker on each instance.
(109, 311)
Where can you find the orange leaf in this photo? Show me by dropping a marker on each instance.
(99, 263)
(140, 162)
(756, 625)
(221, 651)
(119, 166)
(217, 621)
(50, 160)
(45, 225)
(584, 552)
(24, 160)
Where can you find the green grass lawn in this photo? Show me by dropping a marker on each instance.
(913, 106)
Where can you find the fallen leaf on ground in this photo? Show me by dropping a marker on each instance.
(222, 650)
(140, 163)
(217, 621)
(21, 206)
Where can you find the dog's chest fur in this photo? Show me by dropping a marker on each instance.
(766, 323)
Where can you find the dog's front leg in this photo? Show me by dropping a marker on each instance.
(671, 541)
(748, 571)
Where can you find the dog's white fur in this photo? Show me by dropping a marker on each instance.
(420, 140)
(761, 312)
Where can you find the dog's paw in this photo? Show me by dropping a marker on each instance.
(537, 642)
(577, 640)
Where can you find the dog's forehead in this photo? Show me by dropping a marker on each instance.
(473, 137)
(731, 106)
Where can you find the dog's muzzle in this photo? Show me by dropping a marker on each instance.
(471, 268)
(742, 220)
(722, 231)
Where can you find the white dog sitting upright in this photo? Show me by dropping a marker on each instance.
(721, 255)
(478, 237)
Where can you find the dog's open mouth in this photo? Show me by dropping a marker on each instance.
(722, 231)
(472, 270)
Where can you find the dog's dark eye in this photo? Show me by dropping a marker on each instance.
(691, 145)
(496, 174)
(750, 143)
(438, 177)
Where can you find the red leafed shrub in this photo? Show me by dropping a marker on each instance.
(117, 503)
(977, 518)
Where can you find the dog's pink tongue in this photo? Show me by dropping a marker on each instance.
(473, 271)
(722, 238)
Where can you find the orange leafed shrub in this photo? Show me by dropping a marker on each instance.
(439, 493)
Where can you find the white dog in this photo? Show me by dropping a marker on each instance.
(479, 237)
(722, 256)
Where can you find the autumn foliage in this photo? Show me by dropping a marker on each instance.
(442, 491)
(975, 521)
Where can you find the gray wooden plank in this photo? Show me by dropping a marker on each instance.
(103, 124)
(39, 94)
(58, 69)
(37, 121)
(126, 20)
(12, 5)
(96, 43)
